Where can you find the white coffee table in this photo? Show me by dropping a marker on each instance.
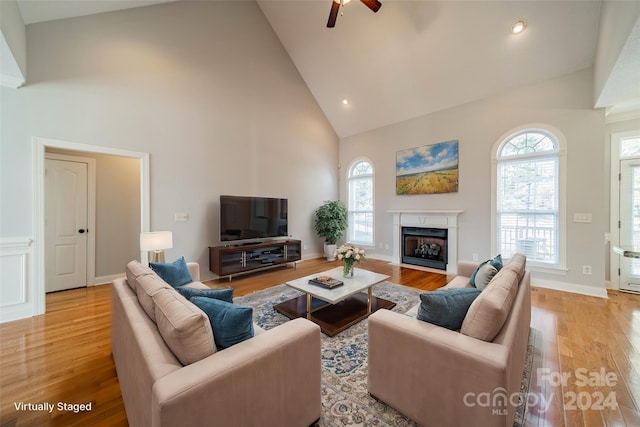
(338, 308)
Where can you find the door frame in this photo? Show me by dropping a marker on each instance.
(614, 207)
(39, 146)
(91, 209)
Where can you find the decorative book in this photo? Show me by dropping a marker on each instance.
(326, 282)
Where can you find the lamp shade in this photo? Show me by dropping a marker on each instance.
(156, 240)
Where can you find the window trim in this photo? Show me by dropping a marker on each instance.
(373, 201)
(561, 266)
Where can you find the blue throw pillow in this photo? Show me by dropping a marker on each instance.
(220, 294)
(174, 273)
(446, 307)
(231, 324)
(495, 262)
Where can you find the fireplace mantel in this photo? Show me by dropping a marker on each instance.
(454, 213)
(428, 218)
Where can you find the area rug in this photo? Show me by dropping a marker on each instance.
(345, 400)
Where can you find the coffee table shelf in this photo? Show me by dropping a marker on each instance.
(335, 310)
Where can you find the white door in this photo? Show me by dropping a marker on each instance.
(630, 222)
(65, 225)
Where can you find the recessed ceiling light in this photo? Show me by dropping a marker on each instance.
(345, 101)
(518, 27)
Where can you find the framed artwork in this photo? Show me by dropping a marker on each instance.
(429, 169)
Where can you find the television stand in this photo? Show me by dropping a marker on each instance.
(229, 261)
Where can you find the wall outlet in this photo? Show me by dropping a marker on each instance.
(586, 269)
(475, 256)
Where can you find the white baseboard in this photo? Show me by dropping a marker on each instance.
(312, 255)
(387, 258)
(542, 283)
(570, 287)
(105, 280)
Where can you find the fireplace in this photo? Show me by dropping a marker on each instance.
(441, 220)
(426, 247)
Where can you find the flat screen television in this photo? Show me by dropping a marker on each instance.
(251, 219)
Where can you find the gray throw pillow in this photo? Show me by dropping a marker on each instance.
(496, 262)
(446, 307)
(484, 275)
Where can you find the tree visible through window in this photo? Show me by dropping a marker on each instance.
(527, 202)
(360, 229)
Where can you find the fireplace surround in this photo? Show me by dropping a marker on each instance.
(436, 220)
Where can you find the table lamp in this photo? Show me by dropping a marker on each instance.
(155, 242)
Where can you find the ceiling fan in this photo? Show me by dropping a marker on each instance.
(374, 5)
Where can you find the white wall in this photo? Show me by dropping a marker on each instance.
(564, 103)
(205, 87)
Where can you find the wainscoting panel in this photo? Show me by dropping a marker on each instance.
(16, 287)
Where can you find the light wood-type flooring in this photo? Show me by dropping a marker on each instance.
(65, 355)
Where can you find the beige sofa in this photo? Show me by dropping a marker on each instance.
(270, 379)
(440, 377)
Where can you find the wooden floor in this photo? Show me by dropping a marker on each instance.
(65, 355)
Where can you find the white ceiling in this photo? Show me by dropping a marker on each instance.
(416, 57)
(48, 10)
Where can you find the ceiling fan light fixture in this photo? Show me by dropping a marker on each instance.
(518, 26)
(374, 5)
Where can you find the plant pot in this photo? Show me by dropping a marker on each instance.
(330, 252)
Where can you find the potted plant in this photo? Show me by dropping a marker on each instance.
(330, 224)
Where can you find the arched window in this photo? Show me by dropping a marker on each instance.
(528, 208)
(360, 229)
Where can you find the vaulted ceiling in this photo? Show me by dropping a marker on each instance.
(417, 57)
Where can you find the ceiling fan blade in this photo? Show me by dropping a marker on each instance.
(374, 5)
(333, 14)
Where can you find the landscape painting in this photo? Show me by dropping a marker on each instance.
(429, 169)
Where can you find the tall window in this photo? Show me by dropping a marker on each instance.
(360, 230)
(527, 197)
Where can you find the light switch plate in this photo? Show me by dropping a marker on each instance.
(582, 217)
(180, 217)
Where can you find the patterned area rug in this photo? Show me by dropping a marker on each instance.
(345, 400)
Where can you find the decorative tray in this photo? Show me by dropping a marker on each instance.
(326, 282)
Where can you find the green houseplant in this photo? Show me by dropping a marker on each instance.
(330, 223)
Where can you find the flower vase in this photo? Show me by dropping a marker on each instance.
(347, 270)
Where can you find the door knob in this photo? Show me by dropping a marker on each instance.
(82, 230)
